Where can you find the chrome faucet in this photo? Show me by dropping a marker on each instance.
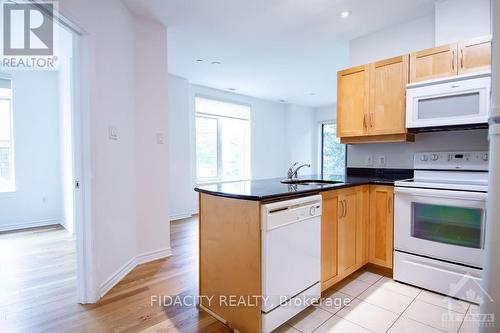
(293, 172)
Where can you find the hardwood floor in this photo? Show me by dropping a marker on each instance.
(38, 289)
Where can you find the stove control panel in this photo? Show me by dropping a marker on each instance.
(457, 160)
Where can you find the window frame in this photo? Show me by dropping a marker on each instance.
(12, 164)
(218, 178)
(321, 146)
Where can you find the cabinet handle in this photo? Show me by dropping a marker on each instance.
(341, 215)
(372, 115)
(462, 58)
(364, 121)
(345, 213)
(389, 204)
(453, 60)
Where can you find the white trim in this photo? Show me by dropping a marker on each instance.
(69, 227)
(183, 215)
(130, 265)
(29, 224)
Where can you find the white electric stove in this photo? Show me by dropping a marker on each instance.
(439, 223)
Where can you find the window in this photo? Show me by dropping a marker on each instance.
(333, 153)
(222, 140)
(7, 179)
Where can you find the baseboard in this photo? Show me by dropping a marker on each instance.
(69, 228)
(183, 215)
(30, 224)
(130, 265)
(153, 255)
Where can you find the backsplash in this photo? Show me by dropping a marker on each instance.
(400, 155)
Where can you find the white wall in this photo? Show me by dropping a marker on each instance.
(393, 41)
(110, 50)
(461, 19)
(300, 141)
(37, 200)
(183, 201)
(400, 155)
(151, 131)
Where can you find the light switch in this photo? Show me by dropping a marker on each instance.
(112, 133)
(160, 138)
(381, 161)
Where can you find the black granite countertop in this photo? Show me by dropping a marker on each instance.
(273, 189)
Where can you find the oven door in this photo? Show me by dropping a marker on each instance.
(440, 224)
(453, 103)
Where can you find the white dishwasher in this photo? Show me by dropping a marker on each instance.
(291, 248)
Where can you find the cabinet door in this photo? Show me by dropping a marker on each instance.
(474, 55)
(362, 225)
(347, 231)
(433, 63)
(329, 220)
(381, 225)
(352, 103)
(388, 79)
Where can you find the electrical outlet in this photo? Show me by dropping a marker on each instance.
(381, 160)
(369, 160)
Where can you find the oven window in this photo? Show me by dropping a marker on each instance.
(449, 225)
(449, 106)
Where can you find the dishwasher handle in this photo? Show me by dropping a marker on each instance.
(280, 214)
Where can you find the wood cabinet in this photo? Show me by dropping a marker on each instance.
(352, 103)
(451, 60)
(387, 111)
(329, 224)
(381, 225)
(474, 55)
(371, 104)
(433, 63)
(344, 233)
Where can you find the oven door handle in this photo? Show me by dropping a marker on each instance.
(451, 194)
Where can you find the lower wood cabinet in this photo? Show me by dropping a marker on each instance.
(344, 233)
(381, 225)
(356, 229)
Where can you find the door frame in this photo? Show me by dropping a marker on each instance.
(87, 291)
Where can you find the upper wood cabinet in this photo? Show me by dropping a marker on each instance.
(433, 63)
(474, 55)
(451, 60)
(387, 112)
(381, 225)
(352, 101)
(371, 102)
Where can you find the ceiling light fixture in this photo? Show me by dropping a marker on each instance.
(232, 89)
(215, 63)
(282, 101)
(199, 60)
(345, 13)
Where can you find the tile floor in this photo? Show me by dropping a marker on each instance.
(379, 304)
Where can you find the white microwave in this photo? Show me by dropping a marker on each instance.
(459, 101)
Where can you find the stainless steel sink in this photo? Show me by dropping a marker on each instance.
(309, 181)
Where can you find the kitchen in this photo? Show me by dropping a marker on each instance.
(267, 166)
(303, 236)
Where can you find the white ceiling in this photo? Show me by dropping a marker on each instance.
(272, 49)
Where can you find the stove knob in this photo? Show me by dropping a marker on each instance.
(434, 157)
(485, 157)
